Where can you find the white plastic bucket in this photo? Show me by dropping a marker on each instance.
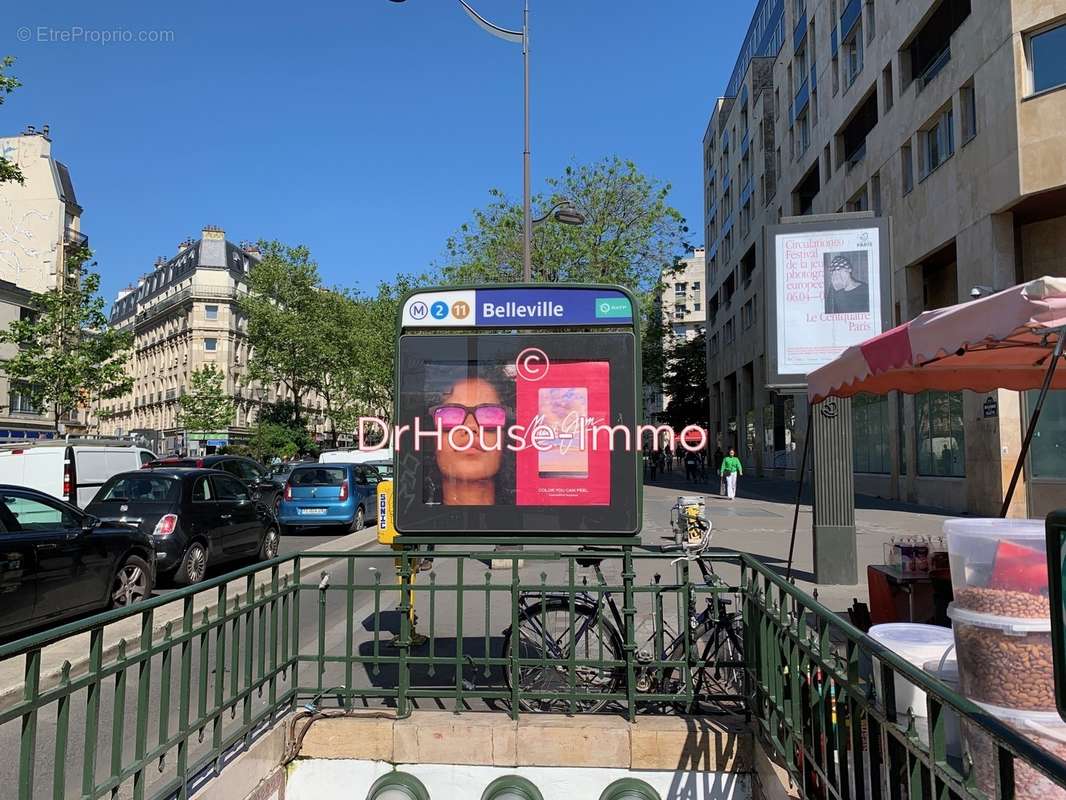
(946, 670)
(917, 644)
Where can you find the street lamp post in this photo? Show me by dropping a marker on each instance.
(516, 37)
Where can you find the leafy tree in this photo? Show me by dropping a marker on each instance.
(630, 234)
(271, 439)
(281, 306)
(206, 407)
(686, 384)
(8, 84)
(66, 353)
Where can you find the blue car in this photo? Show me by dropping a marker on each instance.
(328, 494)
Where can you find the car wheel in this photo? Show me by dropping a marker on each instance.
(193, 566)
(271, 542)
(132, 583)
(360, 520)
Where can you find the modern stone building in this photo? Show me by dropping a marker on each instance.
(185, 313)
(40, 219)
(681, 301)
(949, 118)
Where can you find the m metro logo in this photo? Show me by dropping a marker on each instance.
(442, 309)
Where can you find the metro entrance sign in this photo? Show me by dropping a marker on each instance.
(516, 414)
(518, 307)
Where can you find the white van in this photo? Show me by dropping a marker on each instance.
(71, 470)
(355, 456)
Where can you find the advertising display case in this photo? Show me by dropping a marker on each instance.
(517, 413)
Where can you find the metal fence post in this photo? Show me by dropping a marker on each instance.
(630, 647)
(403, 644)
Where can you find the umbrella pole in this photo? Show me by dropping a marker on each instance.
(1031, 430)
(799, 491)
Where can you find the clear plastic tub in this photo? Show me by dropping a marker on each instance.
(999, 566)
(1004, 661)
(945, 670)
(1045, 730)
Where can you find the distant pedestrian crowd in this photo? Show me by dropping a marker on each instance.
(697, 469)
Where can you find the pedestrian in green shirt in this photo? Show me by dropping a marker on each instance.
(729, 470)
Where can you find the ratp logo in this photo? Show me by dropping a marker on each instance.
(419, 310)
(439, 310)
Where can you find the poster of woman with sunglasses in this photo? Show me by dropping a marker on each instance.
(482, 400)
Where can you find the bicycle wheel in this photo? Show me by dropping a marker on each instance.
(718, 674)
(544, 636)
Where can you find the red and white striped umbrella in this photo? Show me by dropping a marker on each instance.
(996, 342)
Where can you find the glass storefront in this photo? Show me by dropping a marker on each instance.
(940, 441)
(870, 450)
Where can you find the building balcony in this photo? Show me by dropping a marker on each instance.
(75, 238)
(934, 69)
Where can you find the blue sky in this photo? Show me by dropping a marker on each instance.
(366, 130)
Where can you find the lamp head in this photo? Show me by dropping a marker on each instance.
(569, 215)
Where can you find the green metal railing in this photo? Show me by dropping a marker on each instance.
(816, 704)
(154, 700)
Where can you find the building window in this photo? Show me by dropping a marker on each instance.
(875, 192)
(938, 142)
(968, 112)
(747, 314)
(939, 437)
(870, 449)
(211, 312)
(853, 54)
(729, 332)
(680, 289)
(871, 26)
(887, 90)
(695, 286)
(907, 159)
(19, 401)
(835, 69)
(210, 345)
(1046, 50)
(804, 126)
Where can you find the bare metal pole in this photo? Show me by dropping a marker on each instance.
(1048, 378)
(527, 204)
(799, 489)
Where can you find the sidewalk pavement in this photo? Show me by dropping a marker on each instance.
(759, 522)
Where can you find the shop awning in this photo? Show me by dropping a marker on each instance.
(1003, 341)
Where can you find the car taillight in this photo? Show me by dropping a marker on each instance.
(200, 463)
(288, 490)
(344, 490)
(166, 525)
(67, 481)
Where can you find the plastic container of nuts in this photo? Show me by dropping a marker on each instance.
(1004, 661)
(1001, 615)
(1044, 729)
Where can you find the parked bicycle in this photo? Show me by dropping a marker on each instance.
(549, 635)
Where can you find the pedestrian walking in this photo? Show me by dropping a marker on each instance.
(692, 464)
(730, 470)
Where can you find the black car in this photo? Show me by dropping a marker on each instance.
(57, 561)
(195, 517)
(254, 474)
